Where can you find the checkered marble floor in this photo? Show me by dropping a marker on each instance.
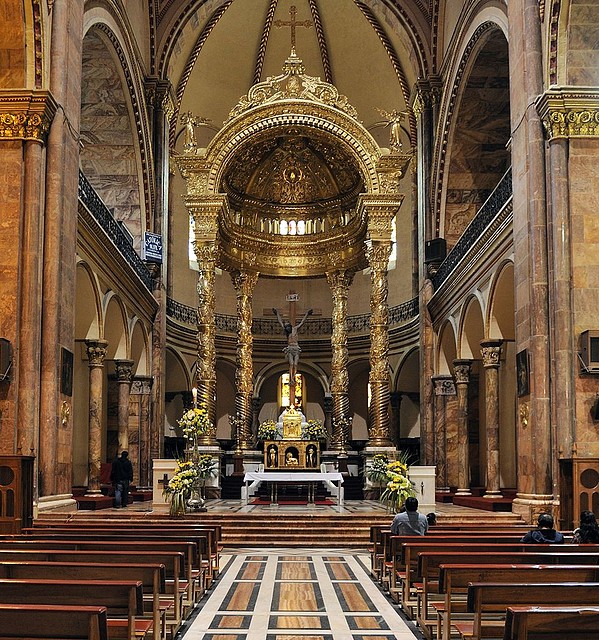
(303, 594)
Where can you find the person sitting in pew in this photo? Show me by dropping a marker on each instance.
(588, 532)
(409, 522)
(544, 533)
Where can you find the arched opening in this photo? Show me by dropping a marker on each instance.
(481, 130)
(110, 148)
(472, 334)
(408, 396)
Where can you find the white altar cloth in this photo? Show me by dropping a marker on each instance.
(256, 477)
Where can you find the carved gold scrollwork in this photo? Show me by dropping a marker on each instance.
(570, 113)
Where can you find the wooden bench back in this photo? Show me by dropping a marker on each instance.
(552, 623)
(456, 577)
(120, 597)
(53, 622)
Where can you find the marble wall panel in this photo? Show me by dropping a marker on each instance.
(109, 158)
(583, 44)
(12, 44)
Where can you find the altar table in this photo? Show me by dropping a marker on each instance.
(256, 477)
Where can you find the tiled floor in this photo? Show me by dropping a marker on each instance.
(289, 594)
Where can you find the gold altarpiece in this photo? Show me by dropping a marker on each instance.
(264, 168)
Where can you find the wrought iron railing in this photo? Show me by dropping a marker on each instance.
(100, 212)
(492, 206)
(313, 327)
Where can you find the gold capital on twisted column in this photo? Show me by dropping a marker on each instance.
(244, 283)
(379, 424)
(339, 282)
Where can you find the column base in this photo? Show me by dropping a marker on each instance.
(493, 494)
(463, 492)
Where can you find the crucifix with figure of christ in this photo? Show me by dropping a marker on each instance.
(293, 23)
(292, 350)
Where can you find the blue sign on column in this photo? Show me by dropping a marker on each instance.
(152, 247)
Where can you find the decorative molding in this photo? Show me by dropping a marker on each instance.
(26, 115)
(569, 112)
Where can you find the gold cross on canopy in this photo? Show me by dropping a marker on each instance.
(293, 23)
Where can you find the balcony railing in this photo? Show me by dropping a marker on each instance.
(100, 212)
(313, 327)
(489, 211)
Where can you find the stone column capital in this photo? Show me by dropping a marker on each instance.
(491, 353)
(444, 385)
(124, 370)
(96, 352)
(462, 370)
(25, 114)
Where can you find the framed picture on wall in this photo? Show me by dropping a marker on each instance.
(522, 373)
(66, 371)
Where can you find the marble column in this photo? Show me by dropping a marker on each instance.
(462, 369)
(206, 369)
(427, 369)
(140, 400)
(444, 386)
(378, 428)
(339, 283)
(244, 283)
(124, 374)
(96, 352)
(60, 241)
(491, 353)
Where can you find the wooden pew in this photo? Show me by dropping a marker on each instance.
(123, 600)
(52, 622)
(488, 602)
(173, 562)
(552, 623)
(203, 541)
(455, 578)
(212, 531)
(150, 575)
(429, 563)
(193, 570)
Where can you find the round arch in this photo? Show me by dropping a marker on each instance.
(115, 328)
(139, 348)
(88, 315)
(472, 329)
(407, 385)
(501, 304)
(447, 349)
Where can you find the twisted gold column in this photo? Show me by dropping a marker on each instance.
(339, 282)
(96, 352)
(206, 369)
(378, 427)
(244, 283)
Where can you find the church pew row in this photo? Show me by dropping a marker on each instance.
(52, 622)
(123, 600)
(552, 623)
(150, 575)
(209, 550)
(193, 587)
(488, 602)
(398, 559)
(203, 541)
(454, 580)
(429, 563)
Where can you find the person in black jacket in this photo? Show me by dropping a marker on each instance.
(121, 476)
(588, 532)
(544, 533)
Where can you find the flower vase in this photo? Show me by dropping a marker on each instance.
(196, 500)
